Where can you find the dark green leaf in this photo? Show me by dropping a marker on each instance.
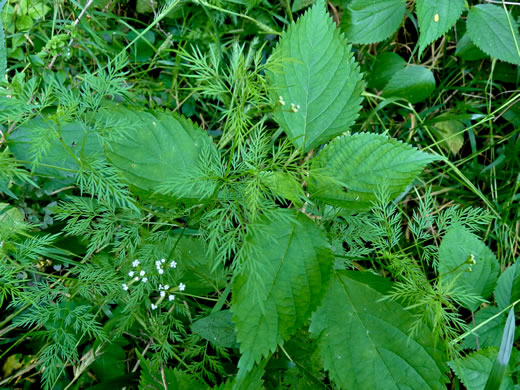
(370, 21)
(218, 328)
(414, 83)
(507, 290)
(295, 263)
(495, 32)
(435, 18)
(349, 171)
(385, 66)
(465, 260)
(319, 76)
(365, 342)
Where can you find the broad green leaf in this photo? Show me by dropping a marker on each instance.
(435, 18)
(111, 362)
(349, 171)
(3, 54)
(283, 185)
(495, 32)
(155, 149)
(370, 21)
(467, 50)
(465, 260)
(218, 328)
(507, 290)
(414, 83)
(317, 74)
(295, 263)
(473, 370)
(365, 341)
(54, 149)
(496, 376)
(385, 66)
(490, 334)
(198, 269)
(450, 133)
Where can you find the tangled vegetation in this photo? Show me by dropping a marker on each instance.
(257, 194)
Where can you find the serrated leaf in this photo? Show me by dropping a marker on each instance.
(467, 261)
(155, 148)
(385, 66)
(296, 262)
(371, 21)
(66, 142)
(414, 83)
(435, 18)
(365, 341)
(218, 328)
(319, 76)
(490, 334)
(473, 370)
(467, 50)
(349, 171)
(495, 32)
(507, 290)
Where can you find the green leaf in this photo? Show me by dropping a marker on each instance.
(198, 269)
(155, 148)
(3, 55)
(465, 260)
(349, 171)
(467, 49)
(295, 262)
(495, 32)
(218, 328)
(65, 144)
(385, 66)
(370, 21)
(473, 370)
(365, 341)
(496, 376)
(507, 290)
(318, 74)
(435, 18)
(451, 134)
(284, 185)
(414, 83)
(490, 334)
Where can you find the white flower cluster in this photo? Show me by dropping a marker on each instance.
(294, 107)
(164, 290)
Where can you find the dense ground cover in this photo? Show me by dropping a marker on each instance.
(258, 194)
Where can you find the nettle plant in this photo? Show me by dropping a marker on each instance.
(275, 243)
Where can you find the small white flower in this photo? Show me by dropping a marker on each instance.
(154, 306)
(142, 272)
(281, 101)
(161, 271)
(135, 263)
(171, 297)
(163, 261)
(162, 293)
(173, 264)
(131, 273)
(125, 287)
(144, 280)
(136, 278)
(182, 286)
(166, 286)
(158, 263)
(160, 287)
